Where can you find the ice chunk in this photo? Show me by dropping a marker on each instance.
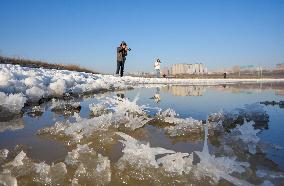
(7, 180)
(20, 166)
(183, 126)
(218, 167)
(58, 87)
(50, 175)
(4, 153)
(91, 168)
(57, 129)
(123, 105)
(247, 134)
(119, 115)
(169, 113)
(4, 78)
(65, 107)
(98, 109)
(12, 102)
(32, 81)
(177, 163)
(35, 93)
(42, 170)
(82, 127)
(73, 157)
(140, 154)
(134, 122)
(18, 160)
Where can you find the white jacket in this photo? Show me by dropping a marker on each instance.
(157, 65)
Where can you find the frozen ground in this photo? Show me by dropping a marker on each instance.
(21, 84)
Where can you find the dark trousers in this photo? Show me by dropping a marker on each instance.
(120, 67)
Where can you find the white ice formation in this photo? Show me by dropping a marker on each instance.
(37, 83)
(120, 112)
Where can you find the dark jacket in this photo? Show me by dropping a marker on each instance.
(121, 54)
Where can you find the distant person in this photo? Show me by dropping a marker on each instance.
(225, 75)
(164, 75)
(157, 66)
(121, 57)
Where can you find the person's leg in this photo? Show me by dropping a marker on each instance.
(117, 67)
(122, 68)
(158, 73)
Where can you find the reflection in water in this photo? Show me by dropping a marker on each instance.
(157, 96)
(197, 90)
(184, 90)
(120, 94)
(14, 124)
(279, 92)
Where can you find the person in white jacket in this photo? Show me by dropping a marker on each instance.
(157, 66)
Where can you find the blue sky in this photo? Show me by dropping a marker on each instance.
(218, 33)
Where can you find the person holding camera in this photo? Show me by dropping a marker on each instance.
(121, 57)
(157, 67)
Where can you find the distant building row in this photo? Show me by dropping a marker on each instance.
(179, 69)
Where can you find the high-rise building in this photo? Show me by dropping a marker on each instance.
(280, 66)
(196, 68)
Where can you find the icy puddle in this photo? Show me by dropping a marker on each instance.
(166, 135)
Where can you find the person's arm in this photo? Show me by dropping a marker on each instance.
(119, 49)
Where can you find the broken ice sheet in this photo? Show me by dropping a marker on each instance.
(177, 163)
(140, 154)
(184, 127)
(138, 163)
(7, 180)
(123, 105)
(247, 134)
(91, 167)
(98, 109)
(50, 175)
(80, 128)
(181, 126)
(20, 166)
(123, 113)
(218, 167)
(12, 102)
(249, 112)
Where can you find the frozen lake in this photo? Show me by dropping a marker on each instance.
(235, 102)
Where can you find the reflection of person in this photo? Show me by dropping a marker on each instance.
(157, 66)
(120, 94)
(121, 57)
(157, 97)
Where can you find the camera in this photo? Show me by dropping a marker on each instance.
(129, 49)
